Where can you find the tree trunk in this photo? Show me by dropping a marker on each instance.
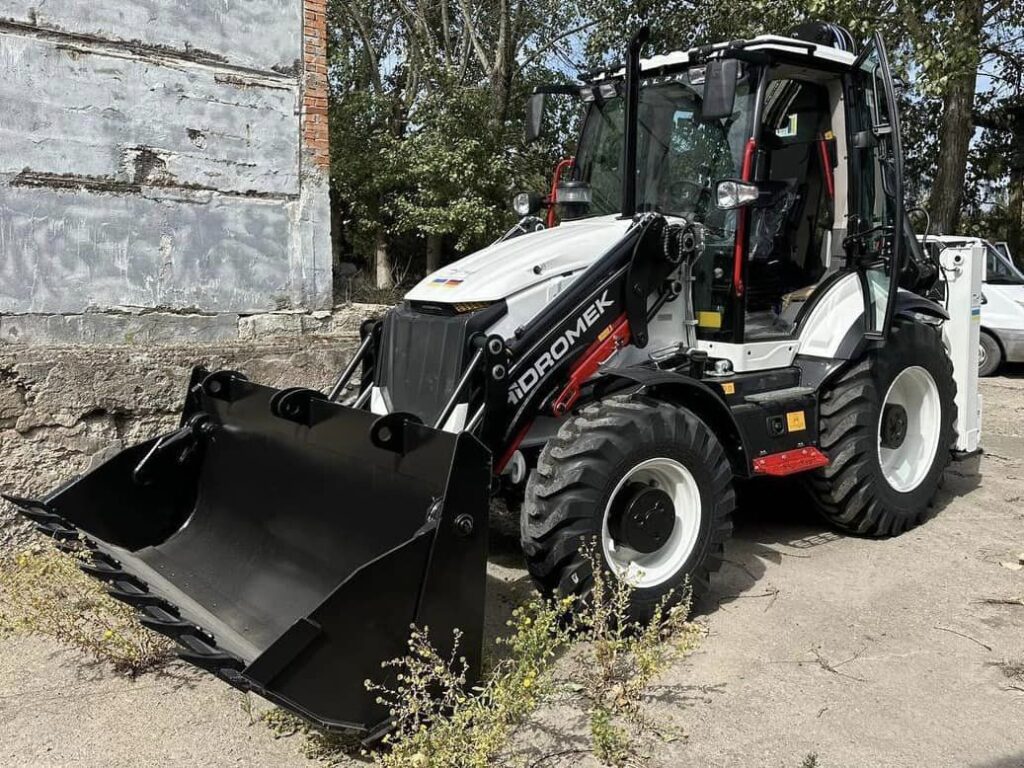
(434, 244)
(382, 262)
(1015, 215)
(955, 133)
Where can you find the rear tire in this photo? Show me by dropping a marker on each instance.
(606, 458)
(887, 460)
(990, 356)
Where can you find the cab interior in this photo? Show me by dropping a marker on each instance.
(795, 242)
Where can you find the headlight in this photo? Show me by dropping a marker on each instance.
(735, 194)
(573, 193)
(526, 203)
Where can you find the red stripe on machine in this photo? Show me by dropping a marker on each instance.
(741, 221)
(614, 338)
(510, 451)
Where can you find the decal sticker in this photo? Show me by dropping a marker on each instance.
(709, 319)
(559, 348)
(729, 388)
(790, 127)
(795, 421)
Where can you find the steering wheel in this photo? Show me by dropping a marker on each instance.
(684, 194)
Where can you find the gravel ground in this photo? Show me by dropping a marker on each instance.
(864, 653)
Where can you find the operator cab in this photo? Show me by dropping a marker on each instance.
(808, 136)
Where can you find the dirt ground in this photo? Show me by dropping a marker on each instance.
(863, 653)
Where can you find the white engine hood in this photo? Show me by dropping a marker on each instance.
(504, 269)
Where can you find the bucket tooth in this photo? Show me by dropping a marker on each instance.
(139, 600)
(28, 507)
(160, 620)
(223, 665)
(100, 570)
(58, 532)
(203, 652)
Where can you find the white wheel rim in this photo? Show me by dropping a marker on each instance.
(906, 465)
(982, 355)
(649, 570)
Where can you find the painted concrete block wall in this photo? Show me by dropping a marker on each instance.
(159, 156)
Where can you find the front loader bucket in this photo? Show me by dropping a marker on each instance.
(287, 543)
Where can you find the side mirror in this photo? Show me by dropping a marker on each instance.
(534, 116)
(720, 89)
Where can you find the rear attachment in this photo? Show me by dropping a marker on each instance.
(287, 543)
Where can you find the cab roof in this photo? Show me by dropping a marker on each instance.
(790, 48)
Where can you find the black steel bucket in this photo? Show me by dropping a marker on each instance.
(287, 542)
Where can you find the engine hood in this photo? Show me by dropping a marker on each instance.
(506, 268)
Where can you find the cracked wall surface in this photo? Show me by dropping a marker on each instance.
(64, 409)
(160, 155)
(163, 204)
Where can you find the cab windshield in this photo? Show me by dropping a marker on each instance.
(680, 156)
(1001, 271)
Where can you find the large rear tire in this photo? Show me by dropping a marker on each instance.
(648, 483)
(887, 426)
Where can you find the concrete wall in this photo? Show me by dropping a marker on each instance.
(163, 204)
(160, 156)
(64, 409)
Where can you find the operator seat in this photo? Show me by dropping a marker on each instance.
(786, 238)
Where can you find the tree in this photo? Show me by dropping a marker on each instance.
(939, 47)
(427, 142)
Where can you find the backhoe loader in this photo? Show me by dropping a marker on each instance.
(726, 286)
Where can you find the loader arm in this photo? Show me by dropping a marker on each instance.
(506, 383)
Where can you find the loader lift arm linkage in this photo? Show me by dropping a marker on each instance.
(544, 367)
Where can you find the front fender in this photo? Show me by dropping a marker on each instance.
(704, 401)
(909, 304)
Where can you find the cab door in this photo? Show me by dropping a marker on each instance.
(875, 244)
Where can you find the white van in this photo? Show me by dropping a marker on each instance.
(1002, 306)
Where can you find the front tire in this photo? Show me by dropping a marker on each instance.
(887, 426)
(615, 474)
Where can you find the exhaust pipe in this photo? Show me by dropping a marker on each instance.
(632, 121)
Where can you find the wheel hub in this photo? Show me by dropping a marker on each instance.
(909, 429)
(642, 517)
(894, 426)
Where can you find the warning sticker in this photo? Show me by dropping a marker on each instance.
(795, 421)
(709, 319)
(729, 388)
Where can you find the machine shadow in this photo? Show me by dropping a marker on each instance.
(775, 519)
(1011, 371)
(1011, 761)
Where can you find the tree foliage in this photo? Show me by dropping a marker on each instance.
(426, 120)
(426, 114)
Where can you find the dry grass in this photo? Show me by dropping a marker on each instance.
(588, 653)
(43, 592)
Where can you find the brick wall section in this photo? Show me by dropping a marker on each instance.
(314, 95)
